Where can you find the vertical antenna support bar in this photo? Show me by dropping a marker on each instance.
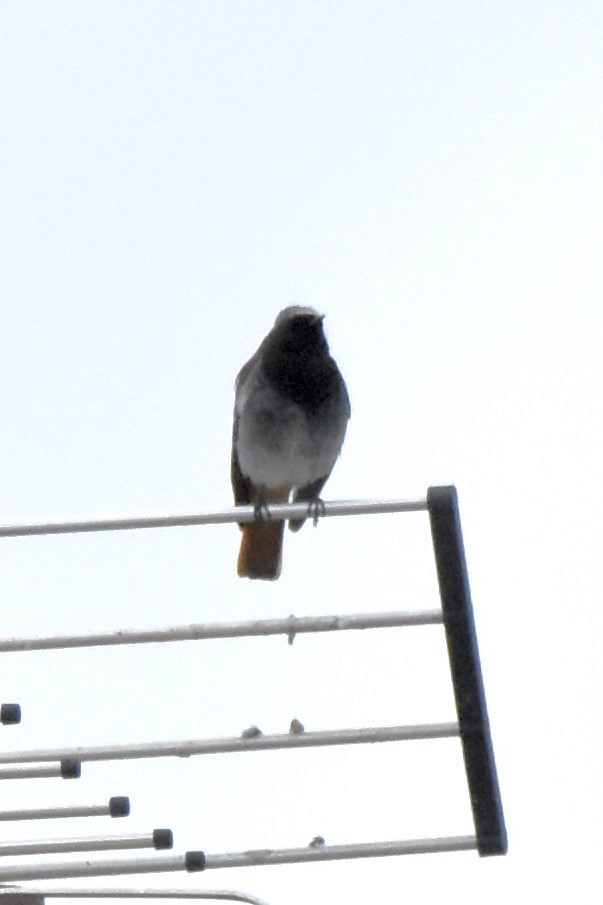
(480, 766)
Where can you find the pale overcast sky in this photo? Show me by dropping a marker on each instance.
(429, 176)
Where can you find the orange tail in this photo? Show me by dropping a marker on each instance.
(261, 552)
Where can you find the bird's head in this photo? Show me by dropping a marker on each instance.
(299, 330)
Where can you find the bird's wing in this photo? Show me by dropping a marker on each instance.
(242, 486)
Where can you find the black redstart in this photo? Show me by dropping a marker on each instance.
(290, 417)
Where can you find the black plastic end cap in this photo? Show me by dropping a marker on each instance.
(163, 839)
(119, 806)
(194, 861)
(10, 714)
(70, 768)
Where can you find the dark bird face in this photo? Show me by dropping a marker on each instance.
(301, 336)
(297, 361)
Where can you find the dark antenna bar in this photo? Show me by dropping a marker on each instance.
(474, 726)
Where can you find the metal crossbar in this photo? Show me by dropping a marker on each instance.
(276, 512)
(35, 771)
(158, 839)
(239, 743)
(200, 861)
(29, 896)
(118, 806)
(290, 626)
(190, 862)
(263, 857)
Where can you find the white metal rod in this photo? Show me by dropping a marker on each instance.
(35, 771)
(253, 858)
(77, 844)
(92, 810)
(117, 893)
(290, 626)
(278, 511)
(238, 743)
(263, 857)
(151, 864)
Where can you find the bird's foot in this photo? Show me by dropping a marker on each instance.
(316, 510)
(261, 512)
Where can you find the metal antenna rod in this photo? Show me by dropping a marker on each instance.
(190, 861)
(29, 896)
(157, 839)
(118, 806)
(278, 512)
(290, 626)
(200, 861)
(324, 738)
(66, 769)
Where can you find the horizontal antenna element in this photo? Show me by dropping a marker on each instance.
(237, 743)
(290, 626)
(238, 514)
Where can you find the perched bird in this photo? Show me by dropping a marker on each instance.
(290, 417)
(296, 728)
